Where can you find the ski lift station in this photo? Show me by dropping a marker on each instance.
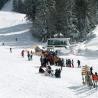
(58, 43)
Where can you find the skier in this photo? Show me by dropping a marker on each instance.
(10, 50)
(28, 55)
(41, 70)
(22, 53)
(66, 62)
(2, 44)
(61, 63)
(31, 55)
(95, 79)
(88, 79)
(57, 73)
(91, 72)
(69, 63)
(78, 63)
(16, 39)
(48, 70)
(72, 62)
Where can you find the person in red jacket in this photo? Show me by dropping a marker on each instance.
(95, 79)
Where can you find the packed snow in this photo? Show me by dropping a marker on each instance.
(19, 78)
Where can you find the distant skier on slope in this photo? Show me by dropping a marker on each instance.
(10, 50)
(22, 53)
(16, 39)
(78, 63)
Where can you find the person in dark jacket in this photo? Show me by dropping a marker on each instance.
(41, 70)
(3, 44)
(28, 55)
(61, 63)
(31, 55)
(10, 50)
(57, 73)
(72, 62)
(78, 63)
(66, 62)
(69, 63)
(91, 70)
(22, 53)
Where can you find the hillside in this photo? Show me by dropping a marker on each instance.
(14, 25)
(19, 78)
(93, 44)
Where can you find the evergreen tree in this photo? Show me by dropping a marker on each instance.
(18, 6)
(15, 5)
(85, 13)
(72, 18)
(97, 11)
(30, 8)
(2, 2)
(51, 20)
(60, 8)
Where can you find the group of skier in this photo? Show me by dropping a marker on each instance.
(70, 63)
(48, 71)
(48, 59)
(29, 54)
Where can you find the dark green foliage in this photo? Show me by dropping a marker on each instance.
(30, 8)
(15, 5)
(97, 11)
(2, 2)
(86, 16)
(71, 18)
(18, 6)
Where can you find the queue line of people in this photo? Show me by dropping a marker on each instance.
(70, 63)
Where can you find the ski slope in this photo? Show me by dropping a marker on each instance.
(14, 25)
(19, 78)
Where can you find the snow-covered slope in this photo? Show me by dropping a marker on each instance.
(93, 44)
(19, 78)
(14, 25)
(89, 47)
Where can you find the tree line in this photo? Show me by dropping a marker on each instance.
(67, 18)
(2, 2)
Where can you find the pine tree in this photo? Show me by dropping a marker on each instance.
(18, 6)
(51, 20)
(72, 18)
(30, 8)
(14, 5)
(60, 8)
(2, 2)
(97, 11)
